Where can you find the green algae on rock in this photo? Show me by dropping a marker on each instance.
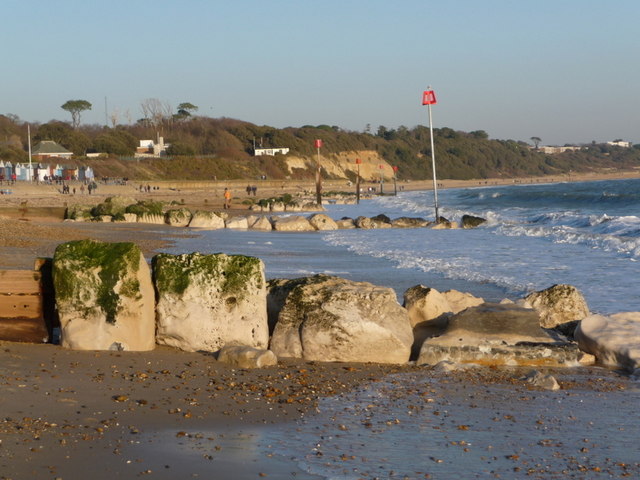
(104, 295)
(173, 273)
(107, 260)
(205, 302)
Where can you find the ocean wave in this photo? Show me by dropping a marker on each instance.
(456, 267)
(628, 246)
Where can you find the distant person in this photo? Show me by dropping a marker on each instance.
(254, 189)
(248, 189)
(227, 198)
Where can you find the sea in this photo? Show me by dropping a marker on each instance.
(536, 235)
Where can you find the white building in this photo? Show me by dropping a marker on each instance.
(149, 148)
(258, 152)
(551, 150)
(620, 143)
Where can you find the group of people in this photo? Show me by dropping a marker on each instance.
(252, 189)
(10, 180)
(91, 187)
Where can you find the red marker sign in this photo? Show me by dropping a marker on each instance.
(429, 97)
(318, 143)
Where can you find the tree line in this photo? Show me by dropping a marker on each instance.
(199, 140)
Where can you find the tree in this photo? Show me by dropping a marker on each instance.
(536, 141)
(185, 109)
(155, 112)
(480, 134)
(75, 108)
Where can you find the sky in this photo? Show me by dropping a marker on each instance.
(566, 71)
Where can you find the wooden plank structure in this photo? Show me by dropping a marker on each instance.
(22, 317)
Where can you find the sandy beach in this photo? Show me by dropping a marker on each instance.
(69, 414)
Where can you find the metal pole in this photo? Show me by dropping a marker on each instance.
(318, 181)
(30, 176)
(358, 185)
(433, 166)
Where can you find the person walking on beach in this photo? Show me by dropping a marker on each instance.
(227, 198)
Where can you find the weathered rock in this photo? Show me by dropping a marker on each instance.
(382, 218)
(458, 301)
(78, 212)
(104, 296)
(278, 289)
(409, 222)
(208, 301)
(539, 379)
(237, 223)
(113, 206)
(425, 307)
(497, 334)
(178, 217)
(470, 221)
(444, 224)
(367, 223)
(321, 221)
(312, 207)
(103, 218)
(294, 223)
(151, 218)
(277, 207)
(346, 223)
(558, 304)
(613, 340)
(429, 311)
(447, 366)
(294, 207)
(206, 220)
(333, 319)
(129, 218)
(259, 223)
(247, 357)
(256, 207)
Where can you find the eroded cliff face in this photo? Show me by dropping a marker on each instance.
(338, 165)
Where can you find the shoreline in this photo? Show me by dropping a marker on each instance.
(31, 217)
(208, 195)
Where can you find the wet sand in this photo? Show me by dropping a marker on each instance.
(169, 414)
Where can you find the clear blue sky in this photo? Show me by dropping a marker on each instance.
(567, 71)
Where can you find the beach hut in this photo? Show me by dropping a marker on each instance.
(40, 172)
(8, 170)
(85, 173)
(57, 170)
(22, 172)
(69, 172)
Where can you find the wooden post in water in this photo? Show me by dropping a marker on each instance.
(395, 175)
